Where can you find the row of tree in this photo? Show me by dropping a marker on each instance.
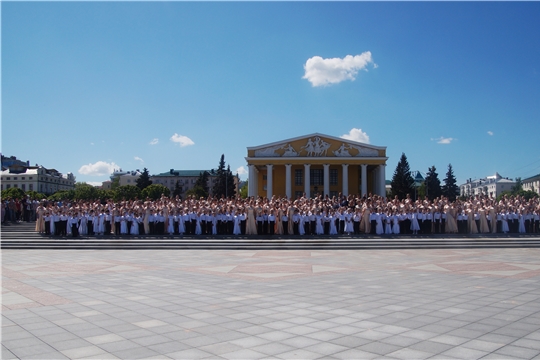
(224, 184)
(403, 183)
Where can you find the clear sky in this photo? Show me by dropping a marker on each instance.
(89, 87)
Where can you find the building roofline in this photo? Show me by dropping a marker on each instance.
(313, 135)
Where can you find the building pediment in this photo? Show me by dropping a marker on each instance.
(316, 145)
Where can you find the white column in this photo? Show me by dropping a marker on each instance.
(382, 180)
(251, 180)
(269, 181)
(326, 179)
(307, 180)
(345, 180)
(364, 179)
(288, 182)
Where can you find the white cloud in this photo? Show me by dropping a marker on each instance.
(490, 133)
(91, 143)
(182, 140)
(356, 135)
(99, 168)
(321, 72)
(154, 141)
(241, 171)
(443, 140)
(139, 159)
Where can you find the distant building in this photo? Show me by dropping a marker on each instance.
(130, 178)
(12, 160)
(36, 178)
(532, 183)
(491, 186)
(106, 185)
(186, 179)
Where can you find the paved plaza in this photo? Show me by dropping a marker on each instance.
(198, 304)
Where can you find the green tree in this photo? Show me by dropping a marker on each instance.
(104, 195)
(155, 191)
(230, 184)
(127, 192)
(402, 181)
(517, 187)
(244, 190)
(144, 180)
(177, 189)
(84, 191)
(62, 195)
(432, 184)
(202, 182)
(14, 193)
(219, 185)
(450, 188)
(115, 183)
(197, 192)
(34, 195)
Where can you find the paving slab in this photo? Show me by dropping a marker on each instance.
(284, 304)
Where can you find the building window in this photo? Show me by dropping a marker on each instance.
(333, 177)
(23, 187)
(31, 187)
(30, 178)
(16, 185)
(298, 194)
(8, 178)
(129, 180)
(265, 177)
(316, 177)
(22, 178)
(14, 178)
(333, 194)
(298, 177)
(8, 186)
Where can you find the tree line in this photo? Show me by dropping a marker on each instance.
(403, 183)
(224, 186)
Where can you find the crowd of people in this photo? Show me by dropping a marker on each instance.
(278, 216)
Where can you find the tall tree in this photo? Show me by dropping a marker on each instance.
(219, 188)
(402, 181)
(432, 184)
(202, 181)
(177, 189)
(144, 180)
(450, 188)
(230, 184)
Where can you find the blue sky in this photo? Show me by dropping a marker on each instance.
(88, 87)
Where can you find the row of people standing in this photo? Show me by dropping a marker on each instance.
(279, 216)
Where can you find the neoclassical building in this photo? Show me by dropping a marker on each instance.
(316, 164)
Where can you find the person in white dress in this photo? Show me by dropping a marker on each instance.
(135, 225)
(349, 223)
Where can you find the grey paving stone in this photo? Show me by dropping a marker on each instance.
(409, 353)
(135, 353)
(379, 348)
(190, 354)
(518, 352)
(298, 354)
(461, 352)
(81, 352)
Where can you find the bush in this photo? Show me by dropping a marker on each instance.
(14, 193)
(155, 191)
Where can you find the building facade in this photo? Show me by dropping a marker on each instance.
(36, 178)
(491, 186)
(316, 164)
(532, 183)
(186, 179)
